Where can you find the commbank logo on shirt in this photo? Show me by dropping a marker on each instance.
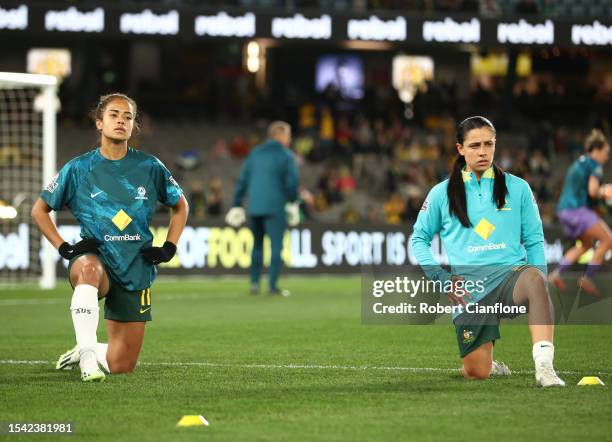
(125, 237)
(484, 229)
(121, 220)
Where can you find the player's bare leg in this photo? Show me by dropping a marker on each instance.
(124, 343)
(601, 233)
(89, 280)
(531, 290)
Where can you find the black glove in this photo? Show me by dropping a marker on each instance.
(86, 245)
(155, 255)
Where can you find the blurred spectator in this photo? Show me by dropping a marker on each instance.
(538, 164)
(575, 146)
(307, 118)
(526, 7)
(196, 200)
(363, 135)
(350, 215)
(189, 159)
(326, 132)
(489, 8)
(373, 214)
(344, 138)
(548, 8)
(469, 6)
(329, 187)
(219, 149)
(346, 182)
(394, 208)
(303, 146)
(239, 147)
(214, 197)
(413, 207)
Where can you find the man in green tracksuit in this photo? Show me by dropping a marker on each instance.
(490, 227)
(269, 180)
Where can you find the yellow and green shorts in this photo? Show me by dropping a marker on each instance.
(475, 329)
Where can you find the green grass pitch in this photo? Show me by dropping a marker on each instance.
(297, 368)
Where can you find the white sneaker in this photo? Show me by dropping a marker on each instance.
(547, 377)
(68, 360)
(500, 369)
(90, 372)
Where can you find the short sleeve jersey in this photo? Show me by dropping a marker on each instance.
(114, 202)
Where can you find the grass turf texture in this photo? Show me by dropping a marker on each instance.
(247, 390)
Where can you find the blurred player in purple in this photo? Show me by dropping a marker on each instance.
(583, 185)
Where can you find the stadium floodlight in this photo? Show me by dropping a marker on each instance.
(28, 106)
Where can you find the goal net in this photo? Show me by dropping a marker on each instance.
(27, 161)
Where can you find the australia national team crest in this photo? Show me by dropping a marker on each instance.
(142, 194)
(468, 336)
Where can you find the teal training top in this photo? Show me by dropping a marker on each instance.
(497, 241)
(114, 201)
(575, 188)
(269, 179)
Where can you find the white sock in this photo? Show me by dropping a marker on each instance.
(85, 310)
(101, 348)
(543, 353)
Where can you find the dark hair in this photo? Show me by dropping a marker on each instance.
(457, 200)
(98, 112)
(595, 141)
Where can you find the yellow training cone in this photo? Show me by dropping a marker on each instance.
(590, 380)
(192, 421)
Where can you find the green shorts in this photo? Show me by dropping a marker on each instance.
(121, 304)
(475, 329)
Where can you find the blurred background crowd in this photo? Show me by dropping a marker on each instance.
(365, 156)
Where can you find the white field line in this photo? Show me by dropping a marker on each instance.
(301, 367)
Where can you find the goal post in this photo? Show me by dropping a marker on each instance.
(28, 106)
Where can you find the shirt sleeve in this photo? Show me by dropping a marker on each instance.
(532, 234)
(597, 171)
(61, 190)
(292, 179)
(168, 190)
(242, 183)
(428, 224)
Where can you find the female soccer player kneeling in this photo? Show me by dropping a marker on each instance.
(490, 227)
(112, 191)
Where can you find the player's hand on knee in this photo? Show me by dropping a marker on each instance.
(458, 293)
(86, 245)
(235, 216)
(156, 255)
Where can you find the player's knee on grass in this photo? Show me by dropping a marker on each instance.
(121, 366)
(477, 372)
(478, 363)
